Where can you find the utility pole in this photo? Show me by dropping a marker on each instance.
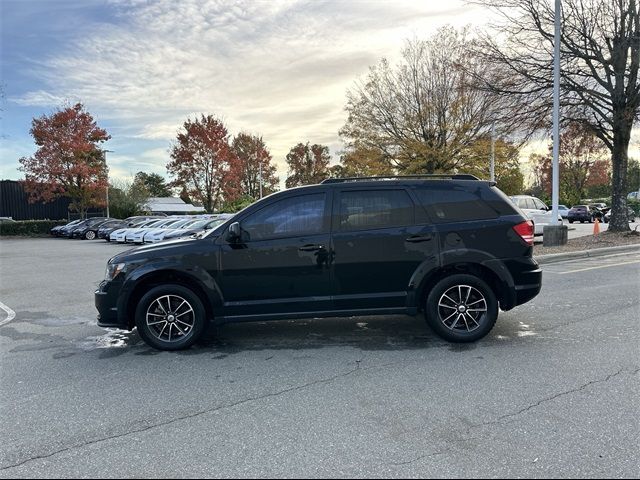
(260, 164)
(555, 233)
(555, 188)
(492, 169)
(104, 152)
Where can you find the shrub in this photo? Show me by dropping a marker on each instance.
(29, 227)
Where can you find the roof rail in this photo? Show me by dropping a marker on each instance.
(457, 176)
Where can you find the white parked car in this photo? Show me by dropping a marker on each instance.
(154, 235)
(536, 210)
(136, 235)
(120, 235)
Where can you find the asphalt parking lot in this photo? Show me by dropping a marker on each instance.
(552, 391)
(583, 229)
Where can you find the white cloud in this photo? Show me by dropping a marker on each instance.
(279, 69)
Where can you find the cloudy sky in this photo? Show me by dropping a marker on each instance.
(276, 68)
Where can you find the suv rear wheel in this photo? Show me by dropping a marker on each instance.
(461, 308)
(170, 317)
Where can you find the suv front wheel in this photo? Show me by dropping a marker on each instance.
(170, 317)
(461, 308)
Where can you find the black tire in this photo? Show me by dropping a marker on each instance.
(90, 235)
(581, 221)
(570, 221)
(454, 332)
(148, 306)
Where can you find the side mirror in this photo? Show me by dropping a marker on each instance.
(234, 231)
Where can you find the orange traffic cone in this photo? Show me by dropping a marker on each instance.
(596, 227)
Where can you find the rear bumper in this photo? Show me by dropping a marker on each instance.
(521, 282)
(527, 279)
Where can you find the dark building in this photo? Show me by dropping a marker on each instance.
(14, 203)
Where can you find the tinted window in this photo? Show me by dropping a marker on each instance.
(290, 217)
(375, 209)
(455, 205)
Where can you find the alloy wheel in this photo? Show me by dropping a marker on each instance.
(461, 308)
(90, 235)
(170, 318)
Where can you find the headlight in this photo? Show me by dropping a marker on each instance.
(113, 270)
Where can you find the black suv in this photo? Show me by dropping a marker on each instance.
(452, 247)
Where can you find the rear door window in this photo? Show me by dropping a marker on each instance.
(373, 209)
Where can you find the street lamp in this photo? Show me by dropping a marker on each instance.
(104, 152)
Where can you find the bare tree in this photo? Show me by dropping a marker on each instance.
(600, 56)
(425, 113)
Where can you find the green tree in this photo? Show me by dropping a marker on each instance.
(154, 183)
(126, 199)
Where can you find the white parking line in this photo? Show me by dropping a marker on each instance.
(597, 267)
(10, 314)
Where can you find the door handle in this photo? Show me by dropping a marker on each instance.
(311, 248)
(419, 238)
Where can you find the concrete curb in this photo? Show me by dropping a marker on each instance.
(596, 252)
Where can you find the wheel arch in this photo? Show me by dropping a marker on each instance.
(156, 278)
(492, 272)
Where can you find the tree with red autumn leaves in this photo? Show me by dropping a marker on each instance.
(204, 164)
(68, 161)
(307, 164)
(254, 161)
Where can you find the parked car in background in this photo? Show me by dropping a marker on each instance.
(563, 210)
(631, 215)
(154, 235)
(197, 227)
(89, 230)
(108, 227)
(536, 210)
(137, 235)
(68, 232)
(57, 231)
(598, 210)
(6, 220)
(634, 195)
(120, 234)
(580, 213)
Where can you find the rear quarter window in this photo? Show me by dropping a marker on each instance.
(460, 205)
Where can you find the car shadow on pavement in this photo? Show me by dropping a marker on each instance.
(364, 333)
(379, 333)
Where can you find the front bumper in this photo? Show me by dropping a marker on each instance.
(106, 301)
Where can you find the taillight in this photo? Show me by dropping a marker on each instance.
(526, 231)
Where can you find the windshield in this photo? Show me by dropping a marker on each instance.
(216, 226)
(198, 223)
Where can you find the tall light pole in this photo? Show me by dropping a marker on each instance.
(492, 168)
(555, 188)
(107, 168)
(555, 233)
(260, 179)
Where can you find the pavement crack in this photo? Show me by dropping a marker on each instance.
(278, 393)
(557, 395)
